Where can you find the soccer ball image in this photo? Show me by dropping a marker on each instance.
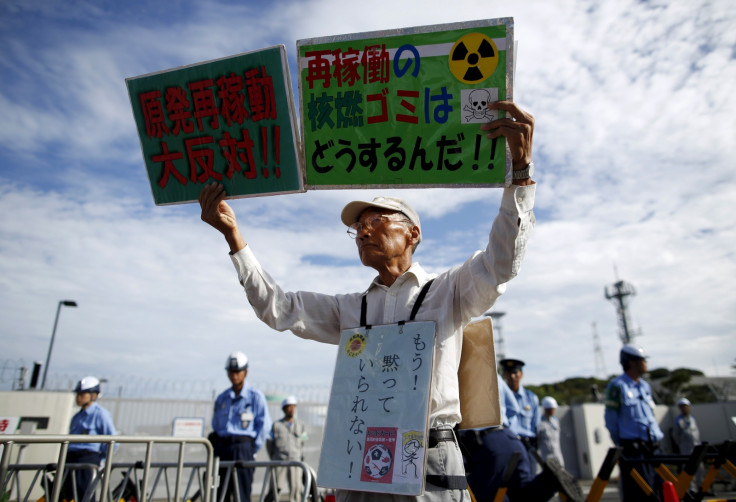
(377, 461)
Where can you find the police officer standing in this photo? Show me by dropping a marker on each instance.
(489, 451)
(240, 423)
(524, 424)
(630, 420)
(93, 420)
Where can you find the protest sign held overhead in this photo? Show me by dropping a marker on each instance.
(402, 108)
(229, 120)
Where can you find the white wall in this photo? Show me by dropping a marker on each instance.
(593, 441)
(57, 407)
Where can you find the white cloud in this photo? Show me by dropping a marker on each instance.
(633, 146)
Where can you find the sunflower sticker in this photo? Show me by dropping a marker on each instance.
(355, 345)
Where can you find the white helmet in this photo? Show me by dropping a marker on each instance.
(684, 401)
(237, 361)
(289, 400)
(549, 402)
(631, 353)
(88, 384)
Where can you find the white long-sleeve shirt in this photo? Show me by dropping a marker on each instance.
(455, 297)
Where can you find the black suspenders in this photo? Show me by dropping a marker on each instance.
(420, 299)
(414, 310)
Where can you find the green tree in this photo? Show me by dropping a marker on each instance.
(668, 386)
(672, 384)
(576, 390)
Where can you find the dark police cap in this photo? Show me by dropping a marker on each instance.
(511, 365)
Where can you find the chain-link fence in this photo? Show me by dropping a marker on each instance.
(17, 375)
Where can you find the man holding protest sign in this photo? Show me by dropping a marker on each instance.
(386, 231)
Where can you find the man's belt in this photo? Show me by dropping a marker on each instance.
(639, 446)
(471, 438)
(439, 435)
(74, 454)
(238, 439)
(529, 442)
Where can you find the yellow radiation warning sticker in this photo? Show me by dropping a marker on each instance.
(355, 345)
(473, 58)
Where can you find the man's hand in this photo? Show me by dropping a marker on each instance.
(218, 214)
(517, 128)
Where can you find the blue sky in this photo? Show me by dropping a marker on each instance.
(634, 144)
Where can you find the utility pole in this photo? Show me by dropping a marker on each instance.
(62, 303)
(619, 293)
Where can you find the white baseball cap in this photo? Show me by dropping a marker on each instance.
(289, 400)
(682, 401)
(352, 211)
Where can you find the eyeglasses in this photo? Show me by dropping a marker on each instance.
(372, 221)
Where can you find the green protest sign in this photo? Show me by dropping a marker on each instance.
(229, 120)
(402, 108)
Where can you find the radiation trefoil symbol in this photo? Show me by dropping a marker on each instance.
(473, 58)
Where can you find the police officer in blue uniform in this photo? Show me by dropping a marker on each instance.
(489, 451)
(509, 404)
(630, 420)
(240, 424)
(93, 420)
(526, 422)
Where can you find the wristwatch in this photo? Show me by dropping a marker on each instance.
(525, 173)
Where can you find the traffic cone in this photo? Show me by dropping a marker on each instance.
(670, 494)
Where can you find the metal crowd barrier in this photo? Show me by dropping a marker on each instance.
(204, 476)
(712, 457)
(270, 482)
(41, 474)
(9, 473)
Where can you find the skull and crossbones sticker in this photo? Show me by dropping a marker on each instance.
(476, 102)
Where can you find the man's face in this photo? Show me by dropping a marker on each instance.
(685, 409)
(289, 410)
(384, 239)
(641, 366)
(84, 399)
(513, 378)
(236, 377)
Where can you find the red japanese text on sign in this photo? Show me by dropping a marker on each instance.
(346, 66)
(207, 101)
